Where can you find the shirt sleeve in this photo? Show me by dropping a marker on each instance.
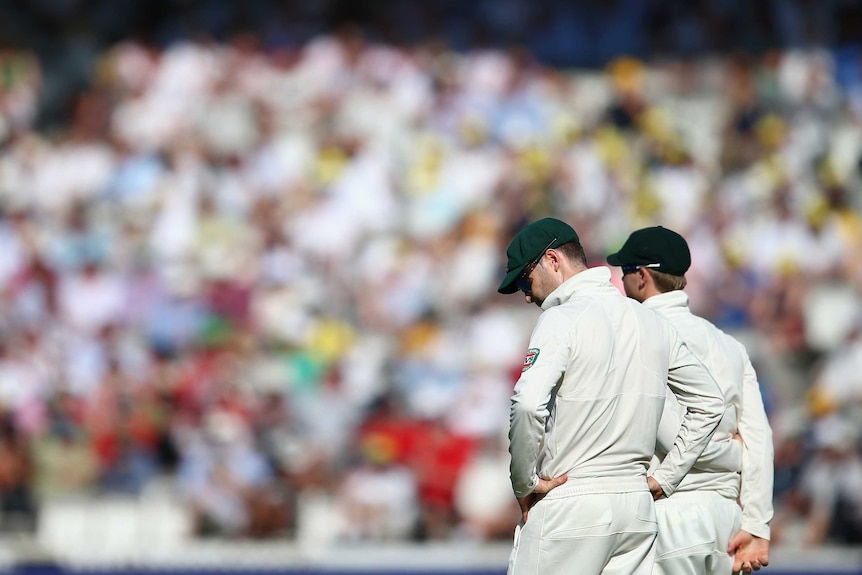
(721, 456)
(541, 374)
(701, 398)
(755, 494)
(717, 457)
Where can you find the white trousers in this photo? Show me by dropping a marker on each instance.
(694, 529)
(587, 534)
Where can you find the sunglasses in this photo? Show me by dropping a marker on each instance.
(523, 282)
(630, 269)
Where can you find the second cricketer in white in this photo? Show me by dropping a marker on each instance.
(699, 521)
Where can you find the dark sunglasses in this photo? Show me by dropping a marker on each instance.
(523, 282)
(630, 269)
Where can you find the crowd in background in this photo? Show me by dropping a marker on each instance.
(67, 35)
(269, 277)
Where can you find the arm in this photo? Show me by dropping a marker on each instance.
(755, 495)
(750, 545)
(530, 403)
(699, 394)
(719, 456)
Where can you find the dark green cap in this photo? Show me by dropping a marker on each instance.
(660, 248)
(531, 242)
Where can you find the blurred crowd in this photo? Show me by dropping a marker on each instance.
(67, 34)
(269, 277)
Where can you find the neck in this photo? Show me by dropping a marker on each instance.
(650, 291)
(570, 270)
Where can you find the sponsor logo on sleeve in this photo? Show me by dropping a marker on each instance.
(532, 354)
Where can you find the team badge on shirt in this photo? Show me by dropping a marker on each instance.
(532, 354)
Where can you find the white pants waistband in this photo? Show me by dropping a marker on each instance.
(592, 485)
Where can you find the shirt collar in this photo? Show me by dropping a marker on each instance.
(597, 277)
(668, 301)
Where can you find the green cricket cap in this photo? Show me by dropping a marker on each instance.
(530, 243)
(657, 247)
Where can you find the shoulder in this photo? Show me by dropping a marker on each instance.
(723, 336)
(719, 341)
(560, 316)
(575, 314)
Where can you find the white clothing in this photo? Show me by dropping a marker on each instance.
(708, 522)
(89, 303)
(614, 533)
(731, 367)
(588, 404)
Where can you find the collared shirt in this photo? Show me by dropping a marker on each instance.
(592, 390)
(728, 361)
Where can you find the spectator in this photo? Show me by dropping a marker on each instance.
(17, 499)
(295, 222)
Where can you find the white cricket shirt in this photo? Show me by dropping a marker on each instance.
(728, 361)
(592, 391)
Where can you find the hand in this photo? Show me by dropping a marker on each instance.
(545, 485)
(749, 553)
(738, 437)
(655, 488)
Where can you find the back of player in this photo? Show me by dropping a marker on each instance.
(707, 497)
(697, 523)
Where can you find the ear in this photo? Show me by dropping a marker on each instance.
(554, 258)
(643, 277)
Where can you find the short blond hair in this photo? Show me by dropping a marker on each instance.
(665, 282)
